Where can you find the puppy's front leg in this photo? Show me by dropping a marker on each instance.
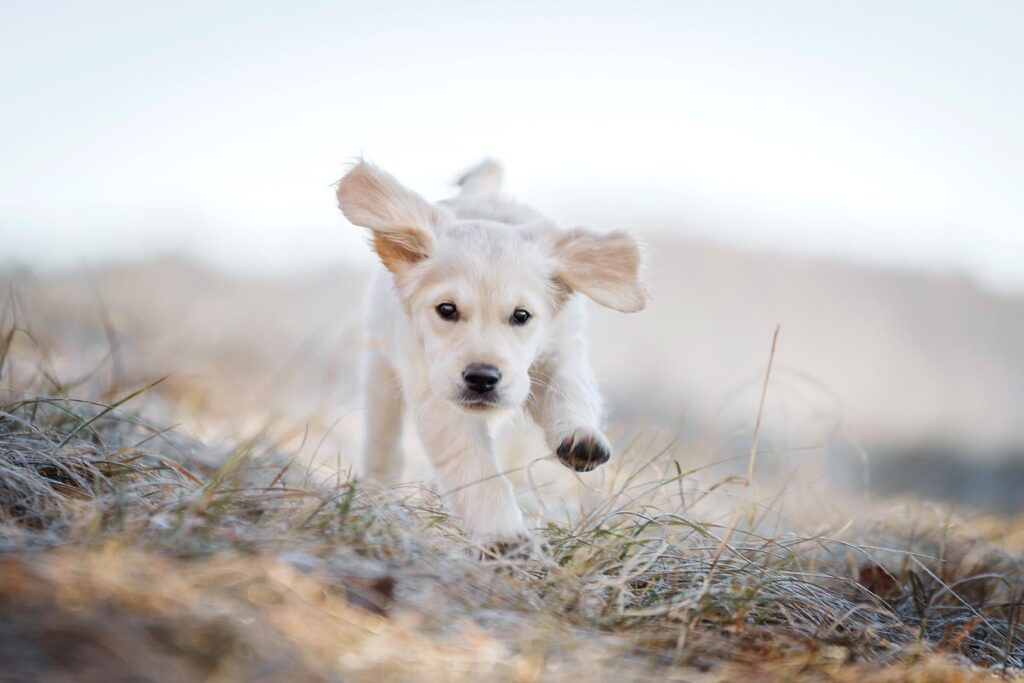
(565, 402)
(382, 458)
(461, 450)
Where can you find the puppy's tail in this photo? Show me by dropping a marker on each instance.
(484, 178)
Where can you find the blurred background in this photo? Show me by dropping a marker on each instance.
(850, 174)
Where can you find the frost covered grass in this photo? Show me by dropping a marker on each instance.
(128, 549)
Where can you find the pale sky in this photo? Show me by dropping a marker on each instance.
(882, 132)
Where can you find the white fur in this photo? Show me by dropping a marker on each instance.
(488, 255)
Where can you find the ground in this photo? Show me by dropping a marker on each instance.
(132, 550)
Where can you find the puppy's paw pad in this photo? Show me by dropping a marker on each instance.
(583, 451)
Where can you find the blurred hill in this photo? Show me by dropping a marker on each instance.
(897, 356)
(905, 366)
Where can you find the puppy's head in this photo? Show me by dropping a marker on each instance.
(483, 296)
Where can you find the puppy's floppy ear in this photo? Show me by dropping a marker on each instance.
(604, 267)
(402, 222)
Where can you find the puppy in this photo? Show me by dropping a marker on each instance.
(477, 313)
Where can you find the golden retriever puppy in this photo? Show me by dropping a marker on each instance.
(477, 313)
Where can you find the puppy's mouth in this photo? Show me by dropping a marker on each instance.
(479, 402)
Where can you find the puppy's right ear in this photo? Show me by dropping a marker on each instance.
(402, 222)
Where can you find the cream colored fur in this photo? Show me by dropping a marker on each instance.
(487, 256)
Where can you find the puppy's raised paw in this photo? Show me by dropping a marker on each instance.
(584, 451)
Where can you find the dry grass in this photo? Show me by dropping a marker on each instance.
(128, 551)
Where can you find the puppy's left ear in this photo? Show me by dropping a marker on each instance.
(604, 267)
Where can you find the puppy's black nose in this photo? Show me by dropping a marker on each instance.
(480, 377)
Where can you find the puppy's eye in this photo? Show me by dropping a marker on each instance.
(520, 316)
(447, 311)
